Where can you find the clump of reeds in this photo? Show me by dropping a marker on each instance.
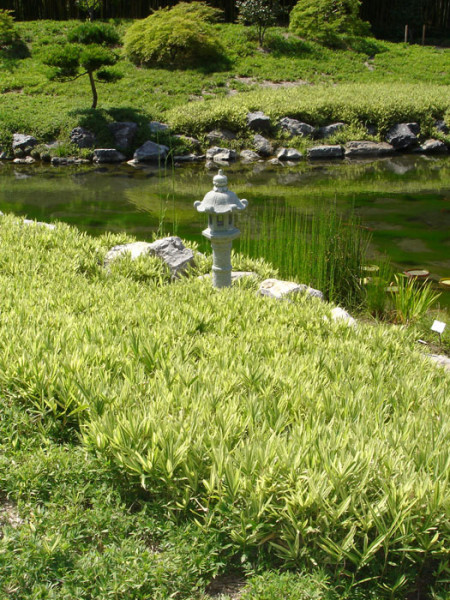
(321, 249)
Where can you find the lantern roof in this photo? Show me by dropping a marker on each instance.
(220, 200)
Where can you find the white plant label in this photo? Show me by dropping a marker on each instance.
(438, 326)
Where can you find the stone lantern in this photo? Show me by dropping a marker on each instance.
(220, 205)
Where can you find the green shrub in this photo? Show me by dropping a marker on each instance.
(89, 6)
(260, 13)
(327, 21)
(94, 33)
(8, 34)
(181, 36)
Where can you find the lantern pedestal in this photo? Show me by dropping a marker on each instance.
(221, 263)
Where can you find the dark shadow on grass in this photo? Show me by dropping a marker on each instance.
(280, 45)
(11, 55)
(217, 64)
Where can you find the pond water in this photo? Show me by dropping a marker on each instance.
(404, 200)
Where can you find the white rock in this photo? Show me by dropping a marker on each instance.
(135, 249)
(274, 288)
(39, 223)
(339, 314)
(441, 360)
(289, 154)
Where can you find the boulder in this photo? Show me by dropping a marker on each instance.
(219, 135)
(326, 152)
(123, 133)
(135, 249)
(157, 127)
(173, 252)
(83, 138)
(289, 154)
(403, 135)
(63, 160)
(108, 155)
(151, 152)
(339, 314)
(39, 224)
(363, 148)
(432, 147)
(295, 128)
(249, 156)
(183, 158)
(258, 121)
(28, 160)
(441, 360)
(262, 145)
(274, 288)
(226, 155)
(442, 126)
(3, 155)
(329, 130)
(22, 141)
(211, 153)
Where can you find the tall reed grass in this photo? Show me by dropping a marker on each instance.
(321, 249)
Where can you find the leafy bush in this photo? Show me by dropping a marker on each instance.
(181, 36)
(94, 33)
(327, 21)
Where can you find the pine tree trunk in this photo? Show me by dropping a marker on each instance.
(94, 90)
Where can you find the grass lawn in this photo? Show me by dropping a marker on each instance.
(157, 437)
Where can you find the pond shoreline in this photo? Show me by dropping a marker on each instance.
(401, 199)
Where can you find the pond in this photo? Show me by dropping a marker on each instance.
(404, 200)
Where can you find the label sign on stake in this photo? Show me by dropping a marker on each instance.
(438, 327)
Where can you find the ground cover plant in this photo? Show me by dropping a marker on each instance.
(261, 435)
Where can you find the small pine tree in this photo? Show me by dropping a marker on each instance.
(72, 61)
(8, 34)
